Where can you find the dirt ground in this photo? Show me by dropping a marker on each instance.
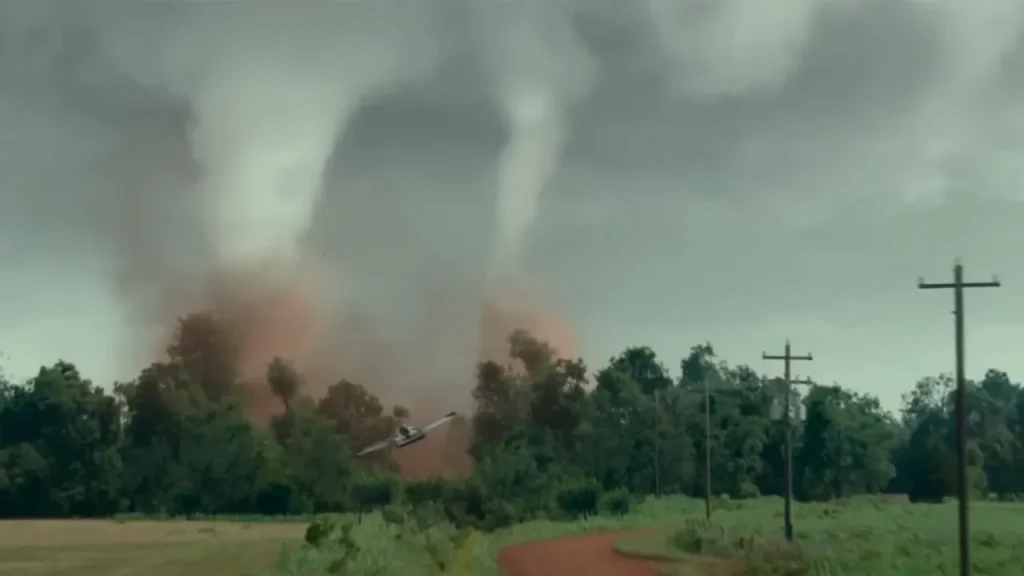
(111, 548)
(590, 554)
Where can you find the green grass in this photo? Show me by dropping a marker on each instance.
(881, 537)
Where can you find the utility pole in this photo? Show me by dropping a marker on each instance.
(657, 444)
(787, 358)
(707, 449)
(707, 441)
(958, 286)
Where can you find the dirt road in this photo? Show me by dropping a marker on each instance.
(590, 554)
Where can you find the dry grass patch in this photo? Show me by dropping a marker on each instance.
(111, 548)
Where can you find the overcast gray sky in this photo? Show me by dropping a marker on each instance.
(738, 172)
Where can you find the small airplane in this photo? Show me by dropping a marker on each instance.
(406, 435)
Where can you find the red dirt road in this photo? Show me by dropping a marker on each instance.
(589, 554)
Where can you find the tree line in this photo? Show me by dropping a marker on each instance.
(547, 437)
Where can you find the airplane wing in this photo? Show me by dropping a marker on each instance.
(433, 425)
(375, 447)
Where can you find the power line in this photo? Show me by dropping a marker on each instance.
(958, 286)
(787, 358)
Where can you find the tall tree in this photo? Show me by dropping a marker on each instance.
(356, 414)
(284, 382)
(502, 403)
(642, 365)
(60, 448)
(208, 353)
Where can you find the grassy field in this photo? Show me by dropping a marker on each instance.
(150, 548)
(861, 536)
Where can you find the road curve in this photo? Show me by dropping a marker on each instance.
(590, 554)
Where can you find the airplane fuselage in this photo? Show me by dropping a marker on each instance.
(413, 437)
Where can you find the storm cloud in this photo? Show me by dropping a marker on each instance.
(661, 172)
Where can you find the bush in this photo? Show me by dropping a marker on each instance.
(465, 504)
(427, 514)
(419, 492)
(326, 528)
(702, 538)
(748, 490)
(781, 558)
(760, 556)
(372, 493)
(499, 514)
(618, 502)
(579, 500)
(396, 514)
(386, 543)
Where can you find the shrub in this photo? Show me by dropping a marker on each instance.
(781, 558)
(499, 514)
(418, 492)
(467, 504)
(748, 490)
(618, 502)
(579, 500)
(386, 543)
(372, 493)
(326, 528)
(427, 514)
(701, 537)
(396, 514)
(760, 556)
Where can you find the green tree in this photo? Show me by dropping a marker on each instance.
(643, 367)
(847, 445)
(60, 437)
(609, 434)
(931, 472)
(994, 419)
(315, 460)
(557, 400)
(501, 406)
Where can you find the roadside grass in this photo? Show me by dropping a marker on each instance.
(881, 537)
(657, 546)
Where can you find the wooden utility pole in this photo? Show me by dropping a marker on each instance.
(657, 444)
(707, 442)
(707, 449)
(787, 358)
(958, 286)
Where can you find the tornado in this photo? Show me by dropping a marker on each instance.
(271, 89)
(538, 68)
